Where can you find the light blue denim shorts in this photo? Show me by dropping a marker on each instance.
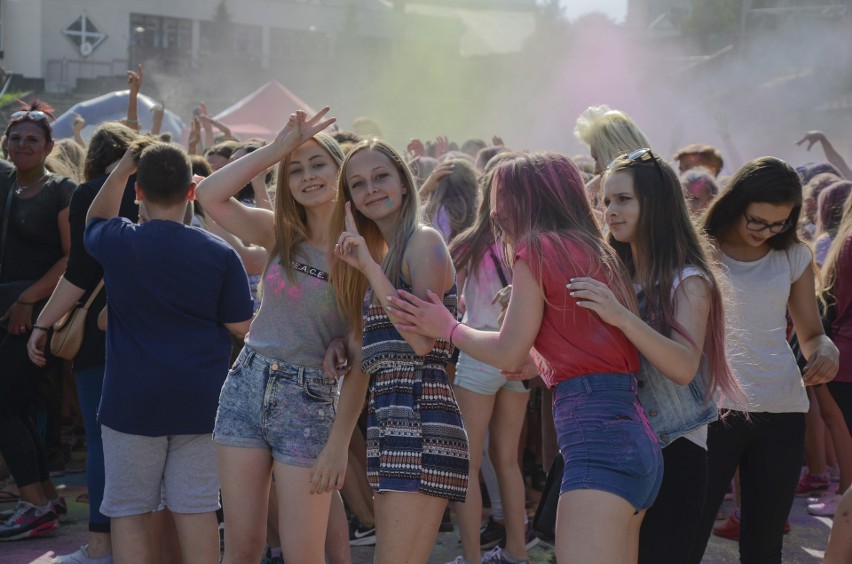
(268, 403)
(605, 439)
(482, 378)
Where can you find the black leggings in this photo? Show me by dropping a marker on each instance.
(768, 449)
(670, 525)
(841, 392)
(20, 444)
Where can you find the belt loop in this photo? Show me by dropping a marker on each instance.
(301, 377)
(249, 356)
(587, 385)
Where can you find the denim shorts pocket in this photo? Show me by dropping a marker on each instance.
(631, 447)
(319, 389)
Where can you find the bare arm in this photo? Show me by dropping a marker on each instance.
(63, 299)
(77, 128)
(157, 123)
(676, 357)
(108, 200)
(253, 256)
(823, 356)
(239, 329)
(506, 349)
(135, 81)
(831, 154)
(216, 192)
(330, 467)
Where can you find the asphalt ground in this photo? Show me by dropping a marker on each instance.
(805, 543)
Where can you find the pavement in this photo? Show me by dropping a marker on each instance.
(805, 543)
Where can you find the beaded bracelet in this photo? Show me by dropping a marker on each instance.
(45, 329)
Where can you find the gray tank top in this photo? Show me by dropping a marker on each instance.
(297, 318)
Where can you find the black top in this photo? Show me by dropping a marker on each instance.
(85, 272)
(33, 242)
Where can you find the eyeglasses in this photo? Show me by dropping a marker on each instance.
(640, 155)
(774, 228)
(34, 115)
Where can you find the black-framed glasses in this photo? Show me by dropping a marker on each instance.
(774, 228)
(640, 155)
(34, 115)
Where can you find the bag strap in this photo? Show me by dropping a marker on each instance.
(7, 214)
(94, 294)
(499, 268)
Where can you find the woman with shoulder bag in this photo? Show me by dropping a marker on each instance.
(82, 277)
(33, 254)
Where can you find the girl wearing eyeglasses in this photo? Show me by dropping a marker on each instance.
(770, 272)
(613, 464)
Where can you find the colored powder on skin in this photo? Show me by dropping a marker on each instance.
(388, 203)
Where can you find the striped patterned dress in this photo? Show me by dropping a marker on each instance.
(416, 441)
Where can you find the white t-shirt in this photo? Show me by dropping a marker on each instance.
(756, 325)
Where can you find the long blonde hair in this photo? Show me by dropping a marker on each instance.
(291, 220)
(350, 286)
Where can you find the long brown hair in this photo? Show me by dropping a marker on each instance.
(457, 195)
(666, 243)
(291, 220)
(829, 267)
(350, 285)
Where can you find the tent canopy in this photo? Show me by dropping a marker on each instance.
(112, 107)
(263, 112)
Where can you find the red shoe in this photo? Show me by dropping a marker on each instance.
(810, 484)
(787, 528)
(730, 529)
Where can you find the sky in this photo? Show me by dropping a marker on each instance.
(616, 9)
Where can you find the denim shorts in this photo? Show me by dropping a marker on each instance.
(482, 378)
(267, 403)
(605, 439)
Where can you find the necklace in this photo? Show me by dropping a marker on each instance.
(20, 189)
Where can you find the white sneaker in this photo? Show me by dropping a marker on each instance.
(827, 507)
(81, 556)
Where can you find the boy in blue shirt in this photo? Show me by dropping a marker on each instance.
(175, 292)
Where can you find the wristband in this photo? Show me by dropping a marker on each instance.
(452, 331)
(19, 302)
(45, 329)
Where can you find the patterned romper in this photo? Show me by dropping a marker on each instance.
(416, 441)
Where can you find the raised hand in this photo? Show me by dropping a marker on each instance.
(415, 148)
(79, 122)
(497, 141)
(194, 133)
(811, 138)
(351, 247)
(431, 183)
(300, 128)
(134, 79)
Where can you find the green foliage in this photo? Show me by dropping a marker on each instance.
(10, 97)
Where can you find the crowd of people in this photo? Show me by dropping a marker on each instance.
(320, 341)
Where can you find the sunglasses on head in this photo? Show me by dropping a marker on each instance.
(639, 155)
(34, 115)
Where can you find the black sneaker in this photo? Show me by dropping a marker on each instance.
(28, 521)
(361, 535)
(446, 522)
(491, 534)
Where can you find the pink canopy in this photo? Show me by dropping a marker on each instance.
(263, 112)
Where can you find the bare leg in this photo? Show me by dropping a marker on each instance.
(199, 537)
(839, 433)
(337, 535)
(356, 490)
(167, 543)
(476, 412)
(839, 549)
(814, 437)
(303, 517)
(506, 423)
(406, 526)
(594, 527)
(131, 539)
(244, 474)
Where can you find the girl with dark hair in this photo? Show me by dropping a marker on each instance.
(770, 271)
(613, 464)
(679, 333)
(452, 206)
(417, 452)
(490, 404)
(82, 276)
(33, 254)
(277, 409)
